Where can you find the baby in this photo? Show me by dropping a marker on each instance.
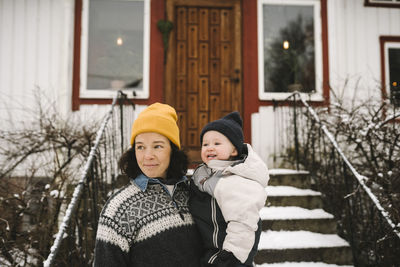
(228, 192)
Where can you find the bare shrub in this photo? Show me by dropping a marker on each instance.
(368, 134)
(39, 158)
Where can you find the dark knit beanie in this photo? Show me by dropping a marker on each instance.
(230, 126)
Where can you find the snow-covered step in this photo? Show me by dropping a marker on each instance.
(299, 239)
(297, 218)
(300, 264)
(290, 246)
(293, 213)
(290, 191)
(300, 179)
(293, 196)
(279, 171)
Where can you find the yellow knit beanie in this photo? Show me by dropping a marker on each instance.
(159, 118)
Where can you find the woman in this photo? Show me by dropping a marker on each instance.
(147, 222)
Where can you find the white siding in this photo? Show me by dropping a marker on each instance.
(36, 52)
(270, 133)
(6, 31)
(263, 137)
(354, 63)
(354, 55)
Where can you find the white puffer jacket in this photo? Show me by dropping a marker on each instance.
(239, 188)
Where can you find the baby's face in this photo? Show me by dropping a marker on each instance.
(216, 146)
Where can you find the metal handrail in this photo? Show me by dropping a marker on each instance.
(79, 188)
(360, 178)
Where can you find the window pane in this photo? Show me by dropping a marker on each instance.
(384, 2)
(388, 1)
(289, 49)
(394, 75)
(115, 44)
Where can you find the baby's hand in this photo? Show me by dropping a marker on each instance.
(203, 180)
(199, 182)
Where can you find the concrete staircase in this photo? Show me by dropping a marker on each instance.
(296, 230)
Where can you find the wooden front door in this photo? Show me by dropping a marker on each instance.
(203, 67)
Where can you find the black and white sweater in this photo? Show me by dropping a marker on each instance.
(147, 227)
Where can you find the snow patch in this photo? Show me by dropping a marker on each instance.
(286, 171)
(55, 193)
(289, 191)
(299, 239)
(300, 264)
(292, 213)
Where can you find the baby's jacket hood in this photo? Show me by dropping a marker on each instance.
(253, 167)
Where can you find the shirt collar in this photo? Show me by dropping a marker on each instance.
(142, 181)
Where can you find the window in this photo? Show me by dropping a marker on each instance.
(392, 71)
(383, 3)
(290, 48)
(114, 48)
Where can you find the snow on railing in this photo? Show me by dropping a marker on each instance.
(78, 189)
(361, 178)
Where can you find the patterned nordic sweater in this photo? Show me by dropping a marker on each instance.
(142, 225)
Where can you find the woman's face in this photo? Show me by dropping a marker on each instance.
(153, 153)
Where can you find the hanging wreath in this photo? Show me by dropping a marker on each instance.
(165, 27)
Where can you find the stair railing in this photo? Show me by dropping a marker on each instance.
(92, 189)
(307, 143)
(361, 178)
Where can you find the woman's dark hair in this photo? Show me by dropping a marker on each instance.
(176, 169)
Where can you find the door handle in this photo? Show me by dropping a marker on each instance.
(235, 78)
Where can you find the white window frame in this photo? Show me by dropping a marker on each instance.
(385, 2)
(318, 94)
(110, 93)
(388, 45)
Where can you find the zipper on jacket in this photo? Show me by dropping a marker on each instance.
(216, 229)
(214, 221)
(213, 257)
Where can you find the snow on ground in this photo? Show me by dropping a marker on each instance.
(286, 171)
(300, 264)
(299, 239)
(292, 213)
(289, 191)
